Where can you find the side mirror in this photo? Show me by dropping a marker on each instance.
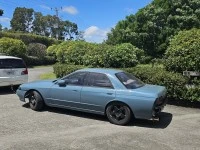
(61, 83)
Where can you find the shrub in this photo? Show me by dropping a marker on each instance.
(183, 52)
(12, 47)
(51, 50)
(37, 50)
(123, 55)
(97, 56)
(193, 94)
(63, 69)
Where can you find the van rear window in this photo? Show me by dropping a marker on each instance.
(11, 63)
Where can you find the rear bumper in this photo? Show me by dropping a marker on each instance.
(7, 81)
(158, 108)
(21, 95)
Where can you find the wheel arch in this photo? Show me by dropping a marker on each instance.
(30, 90)
(118, 101)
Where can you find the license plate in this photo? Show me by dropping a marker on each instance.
(11, 72)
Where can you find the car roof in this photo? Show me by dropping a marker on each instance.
(102, 70)
(8, 57)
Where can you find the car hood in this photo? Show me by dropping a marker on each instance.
(151, 90)
(37, 84)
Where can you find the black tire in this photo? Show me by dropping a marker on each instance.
(118, 113)
(36, 101)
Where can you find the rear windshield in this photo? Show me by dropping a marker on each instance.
(11, 63)
(129, 81)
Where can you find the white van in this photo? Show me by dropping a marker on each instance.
(13, 71)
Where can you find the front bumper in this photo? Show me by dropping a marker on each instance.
(21, 95)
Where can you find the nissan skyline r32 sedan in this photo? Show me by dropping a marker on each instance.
(114, 93)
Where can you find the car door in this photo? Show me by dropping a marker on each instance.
(97, 92)
(68, 95)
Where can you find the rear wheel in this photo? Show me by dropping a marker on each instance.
(118, 113)
(36, 101)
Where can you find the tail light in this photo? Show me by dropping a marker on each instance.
(24, 72)
(158, 101)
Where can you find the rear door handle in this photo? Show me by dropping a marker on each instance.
(75, 90)
(110, 93)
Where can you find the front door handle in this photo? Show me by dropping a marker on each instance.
(75, 90)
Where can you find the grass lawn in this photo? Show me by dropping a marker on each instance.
(150, 65)
(46, 76)
(42, 66)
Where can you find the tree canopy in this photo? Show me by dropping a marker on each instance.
(22, 19)
(27, 20)
(152, 26)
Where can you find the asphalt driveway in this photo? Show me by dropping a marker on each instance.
(21, 128)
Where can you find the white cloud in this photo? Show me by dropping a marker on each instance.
(129, 10)
(70, 10)
(45, 7)
(4, 20)
(95, 34)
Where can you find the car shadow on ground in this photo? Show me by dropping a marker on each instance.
(7, 90)
(164, 121)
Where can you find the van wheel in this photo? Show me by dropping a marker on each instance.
(36, 101)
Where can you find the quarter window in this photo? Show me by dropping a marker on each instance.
(98, 80)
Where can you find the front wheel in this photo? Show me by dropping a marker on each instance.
(36, 101)
(118, 113)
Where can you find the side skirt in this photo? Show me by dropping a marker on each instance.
(77, 109)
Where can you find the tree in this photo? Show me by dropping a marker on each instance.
(152, 26)
(22, 19)
(55, 27)
(70, 30)
(1, 12)
(39, 24)
(1, 27)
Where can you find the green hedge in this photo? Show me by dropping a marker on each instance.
(63, 69)
(174, 82)
(29, 38)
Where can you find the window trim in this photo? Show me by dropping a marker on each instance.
(116, 75)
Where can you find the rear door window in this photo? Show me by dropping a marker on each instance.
(98, 80)
(11, 63)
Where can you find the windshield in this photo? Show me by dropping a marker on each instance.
(129, 81)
